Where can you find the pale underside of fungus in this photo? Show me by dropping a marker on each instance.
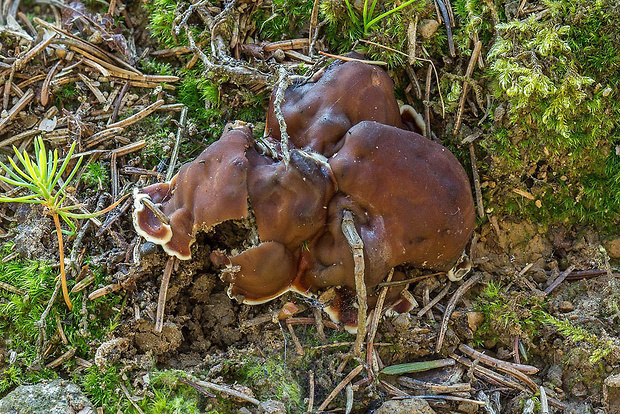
(410, 198)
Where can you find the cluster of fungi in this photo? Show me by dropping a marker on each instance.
(351, 155)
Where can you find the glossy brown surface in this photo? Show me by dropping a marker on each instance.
(318, 113)
(410, 198)
(207, 191)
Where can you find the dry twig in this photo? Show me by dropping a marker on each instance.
(340, 386)
(163, 292)
(451, 305)
(357, 248)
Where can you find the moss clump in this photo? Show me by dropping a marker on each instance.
(27, 288)
(272, 379)
(556, 132)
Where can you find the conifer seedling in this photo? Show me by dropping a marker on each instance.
(41, 176)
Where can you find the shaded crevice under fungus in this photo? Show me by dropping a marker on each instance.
(410, 198)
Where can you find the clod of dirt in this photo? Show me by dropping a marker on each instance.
(32, 236)
(110, 351)
(272, 407)
(146, 340)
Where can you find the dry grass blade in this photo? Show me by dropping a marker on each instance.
(468, 73)
(451, 305)
(434, 388)
(340, 386)
(89, 84)
(11, 288)
(494, 362)
(38, 48)
(376, 317)
(559, 279)
(21, 104)
(137, 116)
(45, 94)
(225, 390)
(104, 291)
(62, 359)
(163, 292)
(350, 59)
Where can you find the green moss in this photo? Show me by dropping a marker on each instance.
(283, 20)
(556, 73)
(272, 379)
(96, 174)
(21, 310)
(170, 396)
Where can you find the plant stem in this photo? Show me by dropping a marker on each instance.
(63, 278)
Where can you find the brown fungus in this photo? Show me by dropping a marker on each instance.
(410, 198)
(318, 113)
(206, 192)
(412, 205)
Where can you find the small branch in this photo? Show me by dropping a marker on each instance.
(283, 82)
(357, 248)
(163, 292)
(468, 73)
(137, 116)
(376, 318)
(298, 348)
(223, 389)
(177, 143)
(494, 362)
(476, 177)
(61, 359)
(41, 323)
(435, 300)
(451, 305)
(559, 279)
(311, 392)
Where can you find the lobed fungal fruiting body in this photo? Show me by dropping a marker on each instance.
(410, 197)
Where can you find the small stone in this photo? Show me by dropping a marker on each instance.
(61, 52)
(428, 27)
(279, 55)
(402, 321)
(554, 375)
(272, 407)
(4, 113)
(47, 397)
(566, 306)
(611, 393)
(475, 319)
(579, 390)
(613, 247)
(408, 406)
(468, 408)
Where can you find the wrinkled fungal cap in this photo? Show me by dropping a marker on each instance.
(318, 113)
(411, 201)
(207, 191)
